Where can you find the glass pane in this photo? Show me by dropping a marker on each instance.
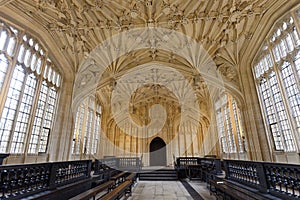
(270, 112)
(296, 37)
(21, 54)
(53, 80)
(11, 46)
(49, 74)
(38, 120)
(33, 62)
(221, 131)
(75, 133)
(283, 49)
(19, 134)
(27, 58)
(276, 53)
(297, 64)
(46, 71)
(292, 93)
(3, 69)
(58, 80)
(31, 42)
(289, 42)
(39, 66)
(280, 111)
(3, 37)
(36, 47)
(11, 103)
(49, 117)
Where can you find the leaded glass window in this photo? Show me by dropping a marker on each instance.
(229, 124)
(278, 85)
(87, 128)
(21, 121)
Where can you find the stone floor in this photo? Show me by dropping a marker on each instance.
(201, 188)
(167, 190)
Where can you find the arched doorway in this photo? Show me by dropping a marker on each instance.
(158, 152)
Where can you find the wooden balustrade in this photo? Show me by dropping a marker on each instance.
(283, 179)
(269, 179)
(183, 162)
(132, 164)
(277, 179)
(17, 181)
(195, 167)
(246, 172)
(71, 171)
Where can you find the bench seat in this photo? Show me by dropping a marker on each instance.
(232, 190)
(91, 193)
(118, 192)
(118, 176)
(131, 177)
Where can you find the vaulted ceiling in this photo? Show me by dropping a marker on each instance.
(78, 26)
(223, 28)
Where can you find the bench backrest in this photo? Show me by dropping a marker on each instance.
(117, 191)
(93, 192)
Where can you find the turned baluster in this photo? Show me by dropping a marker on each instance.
(285, 178)
(270, 177)
(13, 181)
(279, 179)
(20, 180)
(297, 182)
(32, 179)
(59, 176)
(292, 175)
(1, 184)
(38, 177)
(43, 177)
(26, 179)
(273, 178)
(5, 182)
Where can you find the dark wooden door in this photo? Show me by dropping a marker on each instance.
(158, 152)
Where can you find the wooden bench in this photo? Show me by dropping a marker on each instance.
(131, 177)
(118, 178)
(234, 191)
(122, 189)
(94, 191)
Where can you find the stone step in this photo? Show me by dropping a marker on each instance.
(157, 172)
(158, 179)
(158, 175)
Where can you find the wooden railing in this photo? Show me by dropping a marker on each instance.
(183, 162)
(281, 180)
(17, 181)
(196, 167)
(71, 171)
(132, 164)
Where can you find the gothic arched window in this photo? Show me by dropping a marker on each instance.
(277, 75)
(230, 125)
(29, 82)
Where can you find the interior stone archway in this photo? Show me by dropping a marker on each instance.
(158, 153)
